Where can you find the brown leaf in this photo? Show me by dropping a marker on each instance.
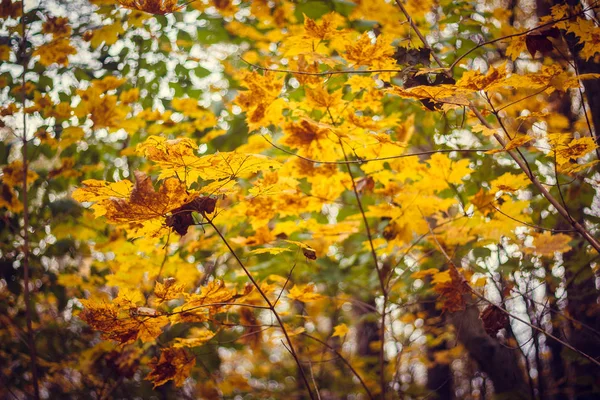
(452, 291)
(365, 185)
(174, 363)
(309, 253)
(253, 332)
(181, 217)
(493, 319)
(540, 42)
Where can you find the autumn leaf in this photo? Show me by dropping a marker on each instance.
(451, 288)
(122, 325)
(55, 52)
(340, 330)
(200, 307)
(547, 244)
(174, 364)
(493, 319)
(197, 337)
(304, 293)
(144, 209)
(181, 218)
(168, 290)
(510, 183)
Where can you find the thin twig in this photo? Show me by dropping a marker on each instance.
(285, 284)
(324, 73)
(366, 160)
(344, 360)
(270, 304)
(379, 275)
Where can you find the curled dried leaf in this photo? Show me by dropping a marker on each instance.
(181, 217)
(493, 319)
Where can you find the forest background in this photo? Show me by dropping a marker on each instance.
(317, 199)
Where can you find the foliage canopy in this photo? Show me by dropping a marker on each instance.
(212, 199)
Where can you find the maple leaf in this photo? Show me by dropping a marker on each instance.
(9, 199)
(57, 51)
(325, 29)
(143, 209)
(159, 7)
(12, 174)
(200, 307)
(145, 203)
(174, 157)
(575, 149)
(197, 337)
(230, 165)
(539, 41)
(304, 293)
(547, 244)
(102, 193)
(259, 101)
(169, 290)
(364, 52)
(451, 288)
(57, 26)
(107, 34)
(475, 80)
(124, 325)
(174, 364)
(340, 330)
(510, 183)
(483, 201)
(252, 330)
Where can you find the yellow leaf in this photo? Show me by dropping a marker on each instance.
(510, 183)
(546, 244)
(160, 7)
(424, 273)
(441, 277)
(484, 130)
(57, 51)
(340, 330)
(169, 290)
(270, 250)
(304, 293)
(129, 298)
(197, 337)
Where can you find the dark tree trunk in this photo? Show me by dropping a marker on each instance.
(499, 362)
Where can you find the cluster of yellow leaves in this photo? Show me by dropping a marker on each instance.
(122, 320)
(260, 101)
(11, 179)
(177, 159)
(55, 52)
(102, 108)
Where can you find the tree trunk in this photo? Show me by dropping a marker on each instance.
(497, 361)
